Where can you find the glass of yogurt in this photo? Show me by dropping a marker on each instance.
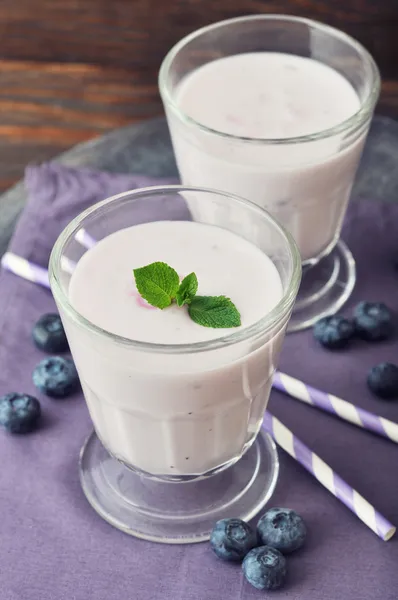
(276, 109)
(177, 407)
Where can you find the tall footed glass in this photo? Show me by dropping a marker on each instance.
(176, 443)
(304, 180)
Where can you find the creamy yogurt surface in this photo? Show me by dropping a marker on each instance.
(267, 95)
(103, 289)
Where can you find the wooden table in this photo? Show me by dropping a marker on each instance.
(74, 69)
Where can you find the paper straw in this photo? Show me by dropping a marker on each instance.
(85, 239)
(36, 274)
(328, 478)
(336, 406)
(67, 265)
(30, 271)
(25, 269)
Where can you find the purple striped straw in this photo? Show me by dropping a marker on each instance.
(36, 274)
(336, 406)
(30, 271)
(328, 478)
(25, 269)
(85, 239)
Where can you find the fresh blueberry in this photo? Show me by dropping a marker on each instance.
(383, 380)
(265, 568)
(373, 321)
(231, 539)
(56, 377)
(333, 332)
(19, 413)
(283, 529)
(49, 335)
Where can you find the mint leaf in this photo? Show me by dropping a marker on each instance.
(187, 290)
(157, 283)
(214, 311)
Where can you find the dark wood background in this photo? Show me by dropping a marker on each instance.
(74, 69)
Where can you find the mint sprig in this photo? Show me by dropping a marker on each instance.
(159, 284)
(187, 290)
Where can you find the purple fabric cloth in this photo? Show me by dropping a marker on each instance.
(53, 546)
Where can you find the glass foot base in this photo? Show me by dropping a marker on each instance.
(324, 289)
(177, 513)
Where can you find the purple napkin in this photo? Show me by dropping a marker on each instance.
(53, 546)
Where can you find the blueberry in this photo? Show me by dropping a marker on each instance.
(383, 380)
(283, 529)
(333, 332)
(231, 539)
(265, 568)
(48, 334)
(373, 321)
(56, 377)
(19, 413)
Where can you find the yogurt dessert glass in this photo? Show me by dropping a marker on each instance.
(276, 109)
(177, 407)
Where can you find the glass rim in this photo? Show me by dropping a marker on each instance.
(365, 110)
(259, 327)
